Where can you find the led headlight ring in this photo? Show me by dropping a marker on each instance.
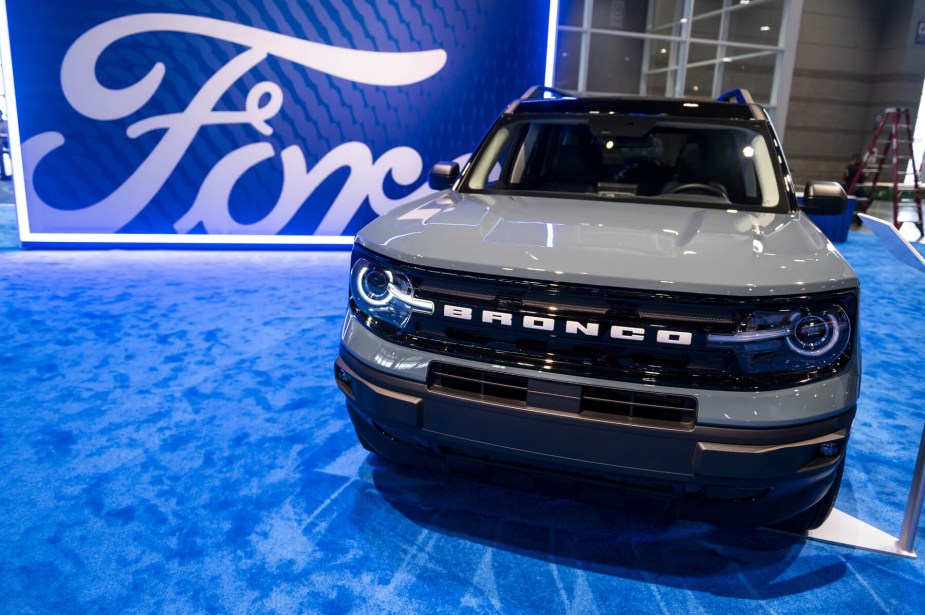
(374, 285)
(815, 334)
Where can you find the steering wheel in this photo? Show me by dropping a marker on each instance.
(709, 189)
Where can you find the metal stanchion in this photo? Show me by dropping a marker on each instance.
(914, 505)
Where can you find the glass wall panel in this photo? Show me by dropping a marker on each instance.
(619, 15)
(665, 13)
(648, 64)
(706, 6)
(568, 60)
(701, 52)
(658, 84)
(759, 25)
(571, 12)
(615, 64)
(661, 54)
(706, 27)
(699, 81)
(754, 73)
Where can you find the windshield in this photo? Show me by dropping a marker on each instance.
(631, 157)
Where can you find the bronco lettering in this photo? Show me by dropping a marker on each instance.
(571, 327)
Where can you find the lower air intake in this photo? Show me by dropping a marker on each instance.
(592, 402)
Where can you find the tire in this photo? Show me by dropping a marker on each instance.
(815, 515)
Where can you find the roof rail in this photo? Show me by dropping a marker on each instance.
(537, 92)
(740, 95)
(540, 91)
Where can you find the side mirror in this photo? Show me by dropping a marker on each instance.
(443, 175)
(824, 199)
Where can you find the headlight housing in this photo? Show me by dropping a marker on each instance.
(384, 294)
(798, 339)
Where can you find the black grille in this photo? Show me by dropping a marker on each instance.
(477, 383)
(674, 411)
(693, 365)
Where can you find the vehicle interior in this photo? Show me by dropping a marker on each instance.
(672, 160)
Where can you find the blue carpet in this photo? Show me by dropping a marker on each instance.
(171, 440)
(9, 239)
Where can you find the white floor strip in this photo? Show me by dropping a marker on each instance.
(843, 529)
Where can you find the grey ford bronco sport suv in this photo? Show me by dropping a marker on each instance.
(615, 296)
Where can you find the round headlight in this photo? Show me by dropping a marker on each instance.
(373, 282)
(817, 333)
(385, 295)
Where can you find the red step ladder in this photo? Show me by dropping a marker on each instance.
(900, 133)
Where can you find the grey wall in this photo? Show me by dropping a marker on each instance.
(854, 59)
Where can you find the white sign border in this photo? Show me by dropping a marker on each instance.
(28, 238)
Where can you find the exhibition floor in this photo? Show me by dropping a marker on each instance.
(172, 440)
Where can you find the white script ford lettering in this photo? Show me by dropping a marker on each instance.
(93, 100)
(572, 327)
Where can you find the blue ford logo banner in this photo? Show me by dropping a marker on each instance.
(262, 121)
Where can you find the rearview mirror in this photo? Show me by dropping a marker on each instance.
(627, 126)
(824, 198)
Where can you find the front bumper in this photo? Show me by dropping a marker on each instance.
(726, 474)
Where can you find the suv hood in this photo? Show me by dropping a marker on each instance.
(613, 244)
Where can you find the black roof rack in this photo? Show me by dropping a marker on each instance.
(540, 91)
(537, 92)
(735, 104)
(740, 95)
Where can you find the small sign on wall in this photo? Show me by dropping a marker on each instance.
(920, 34)
(259, 121)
